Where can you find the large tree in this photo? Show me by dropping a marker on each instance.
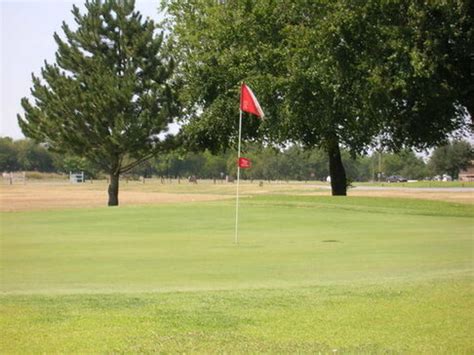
(443, 47)
(404, 163)
(451, 158)
(110, 93)
(330, 74)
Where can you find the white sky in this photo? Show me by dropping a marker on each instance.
(26, 40)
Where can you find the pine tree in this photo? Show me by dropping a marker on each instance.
(110, 93)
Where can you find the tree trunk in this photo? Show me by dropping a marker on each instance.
(113, 189)
(336, 169)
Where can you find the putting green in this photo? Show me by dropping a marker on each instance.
(309, 273)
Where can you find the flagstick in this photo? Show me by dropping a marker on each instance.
(236, 238)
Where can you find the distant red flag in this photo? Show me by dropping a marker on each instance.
(244, 163)
(249, 103)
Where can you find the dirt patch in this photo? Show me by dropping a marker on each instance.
(448, 196)
(459, 197)
(39, 197)
(58, 195)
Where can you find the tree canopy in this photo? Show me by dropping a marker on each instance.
(110, 93)
(329, 74)
(451, 158)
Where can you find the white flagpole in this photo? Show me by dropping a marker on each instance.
(236, 238)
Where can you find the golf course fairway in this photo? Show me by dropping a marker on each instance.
(309, 273)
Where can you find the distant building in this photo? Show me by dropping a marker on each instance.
(468, 173)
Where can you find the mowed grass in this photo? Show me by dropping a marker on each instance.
(309, 274)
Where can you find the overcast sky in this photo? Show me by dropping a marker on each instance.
(26, 40)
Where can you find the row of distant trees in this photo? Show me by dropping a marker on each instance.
(26, 155)
(293, 163)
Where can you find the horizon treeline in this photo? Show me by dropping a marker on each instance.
(268, 163)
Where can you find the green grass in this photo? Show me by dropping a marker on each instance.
(429, 317)
(309, 274)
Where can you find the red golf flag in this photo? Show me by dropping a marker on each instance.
(244, 163)
(249, 103)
